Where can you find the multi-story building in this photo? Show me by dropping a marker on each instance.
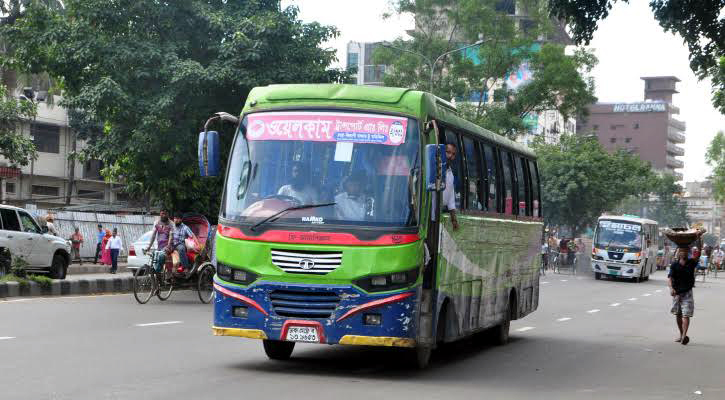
(702, 208)
(360, 60)
(647, 128)
(55, 179)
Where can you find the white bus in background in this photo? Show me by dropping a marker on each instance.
(624, 247)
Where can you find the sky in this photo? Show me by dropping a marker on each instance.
(629, 44)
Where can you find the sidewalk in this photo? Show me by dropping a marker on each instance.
(90, 268)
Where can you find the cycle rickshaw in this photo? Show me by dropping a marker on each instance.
(151, 279)
(566, 257)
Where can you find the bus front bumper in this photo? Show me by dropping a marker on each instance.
(352, 322)
(623, 270)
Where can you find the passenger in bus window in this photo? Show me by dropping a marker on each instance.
(449, 193)
(350, 203)
(299, 187)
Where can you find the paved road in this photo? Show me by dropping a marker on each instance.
(589, 339)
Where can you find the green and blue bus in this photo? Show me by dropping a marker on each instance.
(331, 228)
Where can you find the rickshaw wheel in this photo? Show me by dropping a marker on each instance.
(205, 283)
(165, 286)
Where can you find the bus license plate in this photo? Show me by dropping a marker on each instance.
(302, 334)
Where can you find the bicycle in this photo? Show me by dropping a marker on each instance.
(147, 281)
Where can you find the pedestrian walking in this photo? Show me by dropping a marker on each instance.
(681, 280)
(105, 252)
(99, 242)
(115, 246)
(76, 240)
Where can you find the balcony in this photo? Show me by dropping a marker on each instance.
(674, 163)
(674, 136)
(675, 150)
(677, 176)
(677, 124)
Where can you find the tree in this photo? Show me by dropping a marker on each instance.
(14, 146)
(580, 180)
(559, 81)
(700, 23)
(715, 158)
(662, 204)
(142, 76)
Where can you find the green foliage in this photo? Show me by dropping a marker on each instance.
(142, 77)
(580, 180)
(41, 280)
(18, 267)
(559, 81)
(715, 158)
(662, 204)
(15, 147)
(700, 23)
(14, 278)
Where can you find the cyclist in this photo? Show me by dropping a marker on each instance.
(162, 231)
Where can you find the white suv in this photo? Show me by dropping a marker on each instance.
(21, 234)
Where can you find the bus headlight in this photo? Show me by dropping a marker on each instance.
(383, 283)
(633, 261)
(234, 274)
(598, 257)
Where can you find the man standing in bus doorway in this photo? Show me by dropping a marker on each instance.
(449, 193)
(681, 280)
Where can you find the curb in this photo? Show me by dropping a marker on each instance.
(67, 288)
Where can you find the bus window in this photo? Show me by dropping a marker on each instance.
(523, 191)
(456, 165)
(473, 181)
(491, 181)
(508, 185)
(536, 200)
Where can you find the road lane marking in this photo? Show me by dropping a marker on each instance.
(615, 304)
(658, 290)
(632, 299)
(524, 329)
(646, 294)
(160, 323)
(563, 319)
(544, 282)
(563, 280)
(6, 337)
(596, 310)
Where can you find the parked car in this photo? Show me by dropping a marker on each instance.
(136, 257)
(21, 234)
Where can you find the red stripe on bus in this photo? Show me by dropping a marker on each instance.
(239, 297)
(376, 303)
(317, 237)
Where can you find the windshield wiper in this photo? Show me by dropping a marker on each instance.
(279, 213)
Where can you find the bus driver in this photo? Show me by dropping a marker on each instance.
(299, 188)
(350, 204)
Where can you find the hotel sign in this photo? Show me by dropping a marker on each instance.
(639, 107)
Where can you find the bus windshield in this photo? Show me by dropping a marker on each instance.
(339, 168)
(619, 234)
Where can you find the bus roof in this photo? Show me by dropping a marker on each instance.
(412, 103)
(628, 219)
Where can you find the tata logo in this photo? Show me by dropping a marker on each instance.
(307, 264)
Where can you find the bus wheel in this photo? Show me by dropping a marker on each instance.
(597, 276)
(501, 332)
(422, 356)
(278, 349)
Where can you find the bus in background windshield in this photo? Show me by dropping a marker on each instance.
(625, 246)
(333, 228)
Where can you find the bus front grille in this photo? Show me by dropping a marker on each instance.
(306, 262)
(297, 304)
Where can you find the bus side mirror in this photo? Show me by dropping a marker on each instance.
(435, 156)
(208, 152)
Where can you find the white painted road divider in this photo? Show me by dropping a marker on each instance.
(160, 323)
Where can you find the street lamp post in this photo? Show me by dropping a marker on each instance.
(432, 64)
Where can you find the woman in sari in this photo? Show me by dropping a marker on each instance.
(106, 253)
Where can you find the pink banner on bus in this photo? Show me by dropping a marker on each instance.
(327, 127)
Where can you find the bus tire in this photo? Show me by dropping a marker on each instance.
(278, 349)
(422, 356)
(597, 276)
(501, 331)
